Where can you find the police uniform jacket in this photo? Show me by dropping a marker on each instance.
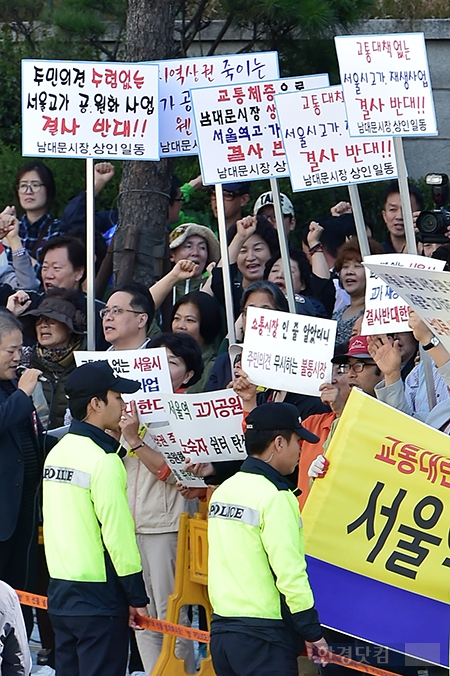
(90, 546)
(257, 577)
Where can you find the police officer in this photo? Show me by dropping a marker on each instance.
(96, 587)
(263, 606)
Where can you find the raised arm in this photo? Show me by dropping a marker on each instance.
(181, 271)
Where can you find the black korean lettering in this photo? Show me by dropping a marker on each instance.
(414, 553)
(369, 516)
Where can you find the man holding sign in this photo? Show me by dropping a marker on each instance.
(257, 581)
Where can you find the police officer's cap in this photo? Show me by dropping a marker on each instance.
(93, 378)
(279, 416)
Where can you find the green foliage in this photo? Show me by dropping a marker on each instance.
(69, 178)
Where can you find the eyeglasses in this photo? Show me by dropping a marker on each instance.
(115, 311)
(179, 199)
(228, 195)
(34, 186)
(42, 319)
(357, 367)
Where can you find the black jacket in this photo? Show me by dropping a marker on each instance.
(16, 409)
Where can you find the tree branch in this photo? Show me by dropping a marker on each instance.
(220, 35)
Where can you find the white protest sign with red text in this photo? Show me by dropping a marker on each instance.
(206, 427)
(150, 367)
(290, 352)
(385, 311)
(237, 129)
(90, 109)
(179, 76)
(319, 149)
(387, 84)
(425, 291)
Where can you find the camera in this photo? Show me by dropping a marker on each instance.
(432, 225)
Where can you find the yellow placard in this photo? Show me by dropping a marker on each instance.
(383, 508)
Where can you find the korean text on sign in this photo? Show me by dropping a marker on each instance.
(319, 150)
(149, 367)
(425, 291)
(90, 109)
(178, 77)
(237, 129)
(207, 427)
(164, 440)
(385, 311)
(385, 500)
(289, 352)
(386, 84)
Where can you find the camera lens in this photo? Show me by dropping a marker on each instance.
(429, 223)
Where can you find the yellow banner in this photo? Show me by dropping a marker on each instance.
(383, 508)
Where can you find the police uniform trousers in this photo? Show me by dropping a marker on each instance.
(236, 654)
(90, 645)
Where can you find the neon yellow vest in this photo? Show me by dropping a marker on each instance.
(86, 511)
(255, 550)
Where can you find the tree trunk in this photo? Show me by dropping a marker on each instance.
(143, 204)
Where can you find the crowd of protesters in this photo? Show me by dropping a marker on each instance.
(43, 323)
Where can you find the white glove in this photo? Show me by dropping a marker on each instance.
(318, 467)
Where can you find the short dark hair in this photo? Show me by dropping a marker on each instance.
(175, 185)
(182, 345)
(210, 313)
(264, 286)
(257, 441)
(299, 257)
(46, 176)
(78, 407)
(76, 251)
(393, 187)
(141, 299)
(100, 244)
(264, 229)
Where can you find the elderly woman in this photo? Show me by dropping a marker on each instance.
(58, 324)
(192, 248)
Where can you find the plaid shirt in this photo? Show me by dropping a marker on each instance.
(30, 233)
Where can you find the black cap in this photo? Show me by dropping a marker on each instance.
(91, 379)
(279, 416)
(240, 188)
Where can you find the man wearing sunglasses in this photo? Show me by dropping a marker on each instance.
(235, 196)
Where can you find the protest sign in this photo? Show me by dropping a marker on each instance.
(90, 109)
(288, 352)
(207, 427)
(319, 149)
(376, 531)
(161, 436)
(425, 291)
(387, 84)
(150, 367)
(385, 311)
(237, 130)
(179, 76)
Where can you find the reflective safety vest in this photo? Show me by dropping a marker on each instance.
(256, 549)
(86, 511)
